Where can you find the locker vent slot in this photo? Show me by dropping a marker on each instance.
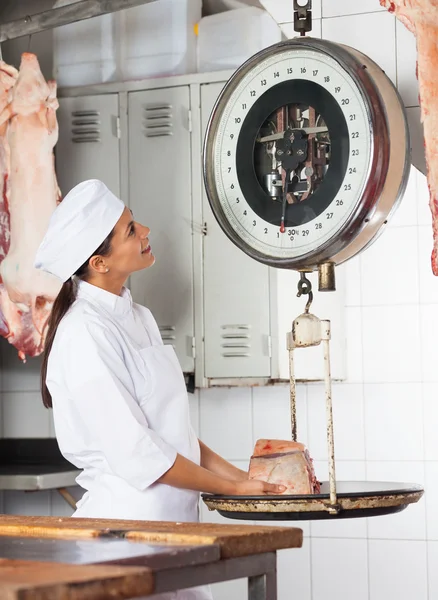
(157, 120)
(85, 126)
(168, 334)
(236, 341)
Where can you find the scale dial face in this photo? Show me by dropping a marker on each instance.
(297, 153)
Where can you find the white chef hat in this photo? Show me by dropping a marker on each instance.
(77, 227)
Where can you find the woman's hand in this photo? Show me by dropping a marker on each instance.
(254, 487)
(216, 464)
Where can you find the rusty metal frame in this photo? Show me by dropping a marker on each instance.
(55, 17)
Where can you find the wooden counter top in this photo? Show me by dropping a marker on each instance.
(233, 540)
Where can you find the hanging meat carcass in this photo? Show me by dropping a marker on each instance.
(284, 463)
(8, 77)
(30, 132)
(421, 18)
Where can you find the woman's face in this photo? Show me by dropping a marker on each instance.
(130, 247)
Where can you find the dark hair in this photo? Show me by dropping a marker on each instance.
(63, 301)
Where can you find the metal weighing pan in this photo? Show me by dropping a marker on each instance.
(354, 499)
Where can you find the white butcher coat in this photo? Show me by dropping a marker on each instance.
(121, 412)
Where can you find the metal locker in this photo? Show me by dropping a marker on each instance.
(160, 197)
(236, 295)
(88, 145)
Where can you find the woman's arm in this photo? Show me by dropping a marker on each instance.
(187, 475)
(216, 464)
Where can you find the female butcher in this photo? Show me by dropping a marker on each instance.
(119, 398)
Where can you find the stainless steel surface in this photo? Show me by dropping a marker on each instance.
(81, 552)
(358, 498)
(33, 478)
(55, 17)
(388, 169)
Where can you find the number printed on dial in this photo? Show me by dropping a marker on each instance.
(295, 152)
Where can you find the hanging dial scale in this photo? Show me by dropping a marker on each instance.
(306, 158)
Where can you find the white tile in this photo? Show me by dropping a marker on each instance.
(282, 10)
(354, 354)
(339, 569)
(418, 159)
(430, 409)
(289, 31)
(409, 524)
(335, 8)
(293, 573)
(342, 528)
(19, 376)
(194, 410)
(430, 497)
(347, 399)
(399, 283)
(406, 213)
(225, 421)
(361, 31)
(428, 281)
(271, 413)
(303, 525)
(429, 331)
(407, 82)
(352, 275)
(394, 421)
(230, 590)
(391, 344)
(432, 555)
(25, 416)
(398, 570)
(423, 197)
(431, 490)
(27, 503)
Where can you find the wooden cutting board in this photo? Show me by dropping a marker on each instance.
(233, 540)
(29, 580)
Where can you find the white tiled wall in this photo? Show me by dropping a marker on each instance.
(386, 414)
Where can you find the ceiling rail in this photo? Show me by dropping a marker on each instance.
(63, 15)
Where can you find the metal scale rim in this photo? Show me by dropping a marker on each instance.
(338, 499)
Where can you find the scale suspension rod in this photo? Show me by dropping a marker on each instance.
(293, 397)
(325, 330)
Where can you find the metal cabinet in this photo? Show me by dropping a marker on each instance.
(143, 139)
(88, 145)
(159, 181)
(249, 308)
(236, 295)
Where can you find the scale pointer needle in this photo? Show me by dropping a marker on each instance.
(283, 210)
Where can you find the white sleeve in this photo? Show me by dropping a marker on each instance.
(103, 400)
